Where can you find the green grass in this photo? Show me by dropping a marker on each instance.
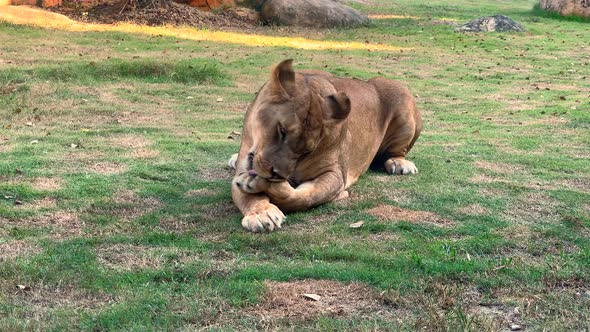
(132, 227)
(194, 71)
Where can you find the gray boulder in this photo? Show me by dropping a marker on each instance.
(499, 23)
(311, 13)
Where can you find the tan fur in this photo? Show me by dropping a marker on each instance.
(334, 128)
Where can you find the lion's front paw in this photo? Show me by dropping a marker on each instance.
(250, 184)
(265, 218)
(233, 161)
(400, 167)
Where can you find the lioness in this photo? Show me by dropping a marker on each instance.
(309, 135)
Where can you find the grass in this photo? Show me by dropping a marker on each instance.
(115, 210)
(193, 71)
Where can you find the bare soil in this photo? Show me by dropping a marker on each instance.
(156, 13)
(287, 300)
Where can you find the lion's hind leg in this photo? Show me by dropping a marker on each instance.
(399, 139)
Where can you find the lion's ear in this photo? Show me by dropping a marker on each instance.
(283, 79)
(338, 106)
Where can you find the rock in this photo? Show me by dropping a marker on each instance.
(567, 7)
(311, 13)
(498, 23)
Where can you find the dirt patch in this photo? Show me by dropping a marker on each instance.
(14, 249)
(286, 300)
(47, 183)
(498, 167)
(474, 210)
(157, 13)
(394, 213)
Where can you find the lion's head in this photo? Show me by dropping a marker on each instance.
(292, 113)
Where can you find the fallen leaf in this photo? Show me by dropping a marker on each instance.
(357, 224)
(23, 288)
(314, 297)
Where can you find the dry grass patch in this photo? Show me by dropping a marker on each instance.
(176, 225)
(136, 144)
(532, 208)
(522, 236)
(44, 203)
(313, 224)
(486, 179)
(40, 298)
(130, 257)
(286, 300)
(394, 213)
(214, 174)
(127, 257)
(201, 192)
(133, 206)
(61, 224)
(19, 248)
(130, 141)
(577, 184)
(217, 211)
(106, 168)
(474, 210)
(47, 183)
(143, 154)
(5, 146)
(499, 167)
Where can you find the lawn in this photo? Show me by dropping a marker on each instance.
(115, 207)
